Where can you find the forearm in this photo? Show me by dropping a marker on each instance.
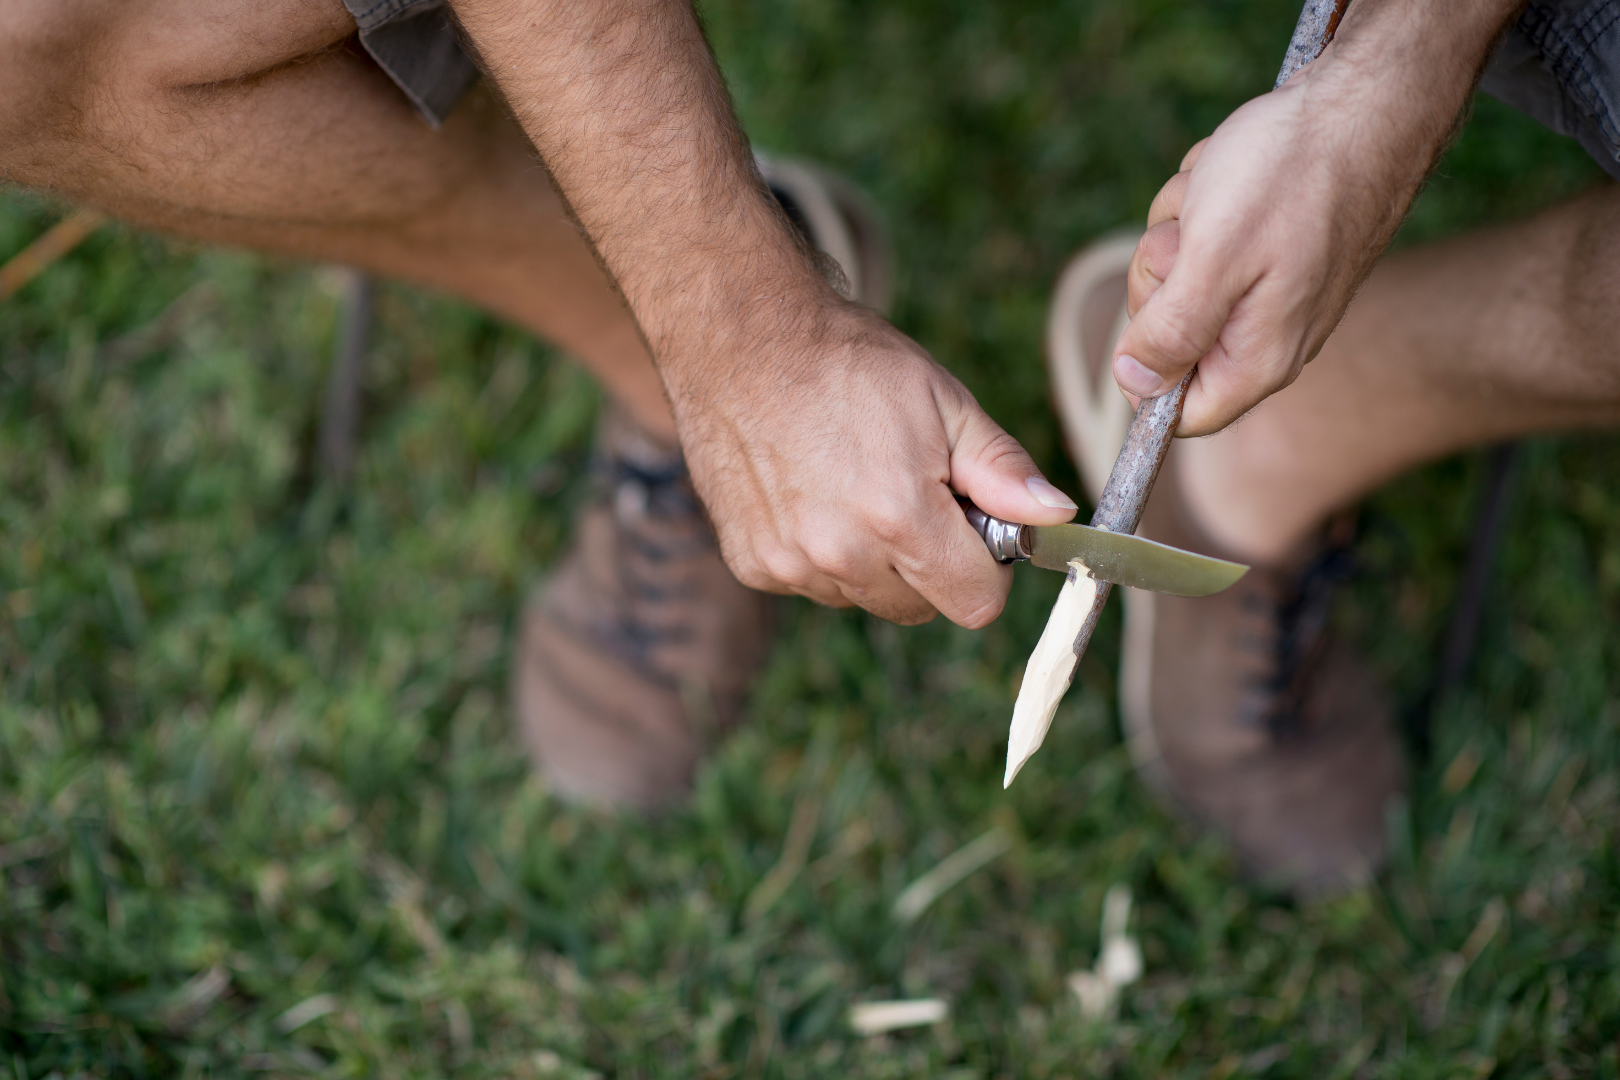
(624, 103)
(1399, 73)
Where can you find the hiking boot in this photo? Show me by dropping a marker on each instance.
(638, 652)
(837, 221)
(1083, 321)
(1242, 711)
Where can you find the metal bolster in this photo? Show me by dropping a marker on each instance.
(1005, 539)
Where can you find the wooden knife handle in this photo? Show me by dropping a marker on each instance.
(1125, 496)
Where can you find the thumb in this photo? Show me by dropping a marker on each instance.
(989, 467)
(1175, 327)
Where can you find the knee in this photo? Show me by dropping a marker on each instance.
(86, 77)
(45, 51)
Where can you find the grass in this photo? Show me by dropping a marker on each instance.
(261, 811)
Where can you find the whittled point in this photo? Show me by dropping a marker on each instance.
(1050, 669)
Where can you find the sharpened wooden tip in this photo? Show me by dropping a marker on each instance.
(1050, 669)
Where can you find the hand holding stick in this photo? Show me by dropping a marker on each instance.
(1125, 496)
(1148, 440)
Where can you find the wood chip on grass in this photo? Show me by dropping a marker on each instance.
(1119, 960)
(878, 1017)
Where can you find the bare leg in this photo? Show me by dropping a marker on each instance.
(257, 124)
(1488, 336)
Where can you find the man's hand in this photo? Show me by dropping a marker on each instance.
(825, 444)
(1255, 248)
(829, 464)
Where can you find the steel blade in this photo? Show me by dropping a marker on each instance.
(1131, 560)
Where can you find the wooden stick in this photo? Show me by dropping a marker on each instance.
(1318, 22)
(1126, 494)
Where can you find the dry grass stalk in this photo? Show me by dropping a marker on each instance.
(920, 894)
(55, 242)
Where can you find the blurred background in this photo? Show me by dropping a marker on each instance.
(261, 811)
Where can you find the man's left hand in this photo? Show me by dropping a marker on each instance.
(1254, 250)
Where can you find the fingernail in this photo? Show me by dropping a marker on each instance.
(1134, 377)
(1047, 495)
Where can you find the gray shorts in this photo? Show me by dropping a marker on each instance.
(415, 42)
(1560, 63)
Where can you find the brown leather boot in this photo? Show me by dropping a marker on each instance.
(639, 650)
(1241, 709)
(1245, 713)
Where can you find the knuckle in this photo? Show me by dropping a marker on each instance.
(983, 612)
(1167, 203)
(1004, 451)
(748, 571)
(783, 568)
(1170, 335)
(832, 556)
(892, 521)
(903, 607)
(1158, 247)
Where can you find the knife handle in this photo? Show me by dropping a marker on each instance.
(1005, 539)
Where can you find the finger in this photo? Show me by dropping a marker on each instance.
(773, 567)
(1194, 154)
(1150, 264)
(1167, 203)
(914, 556)
(959, 578)
(989, 467)
(895, 600)
(851, 564)
(1176, 325)
(1256, 356)
(955, 571)
(947, 565)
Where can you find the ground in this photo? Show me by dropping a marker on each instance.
(262, 811)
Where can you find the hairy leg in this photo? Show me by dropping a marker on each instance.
(1489, 336)
(262, 125)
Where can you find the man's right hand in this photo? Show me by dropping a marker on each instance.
(825, 444)
(828, 451)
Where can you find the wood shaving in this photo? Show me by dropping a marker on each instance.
(876, 1017)
(1119, 961)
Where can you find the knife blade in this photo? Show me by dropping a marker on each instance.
(1120, 558)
